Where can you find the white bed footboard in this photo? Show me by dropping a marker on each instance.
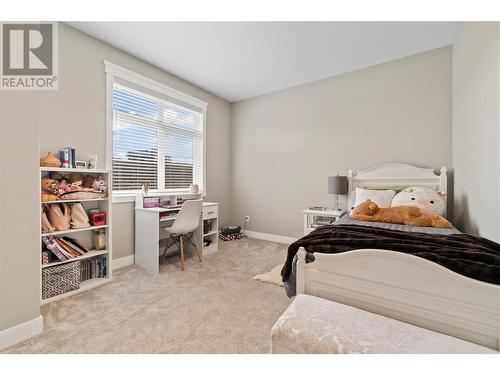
(407, 288)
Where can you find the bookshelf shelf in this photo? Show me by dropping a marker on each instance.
(70, 231)
(210, 233)
(85, 286)
(76, 200)
(90, 254)
(84, 235)
(74, 170)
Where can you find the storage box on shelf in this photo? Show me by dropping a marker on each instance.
(94, 267)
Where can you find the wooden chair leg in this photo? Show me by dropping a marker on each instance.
(198, 251)
(182, 251)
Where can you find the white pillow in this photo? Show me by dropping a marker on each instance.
(382, 198)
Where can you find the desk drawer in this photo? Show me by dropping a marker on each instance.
(210, 212)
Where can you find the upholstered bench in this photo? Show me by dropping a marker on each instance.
(315, 325)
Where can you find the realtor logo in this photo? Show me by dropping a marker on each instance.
(29, 56)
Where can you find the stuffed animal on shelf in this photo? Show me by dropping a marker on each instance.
(64, 187)
(76, 186)
(50, 190)
(87, 181)
(57, 176)
(409, 215)
(99, 184)
(50, 160)
(430, 201)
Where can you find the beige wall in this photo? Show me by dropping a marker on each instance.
(476, 128)
(75, 115)
(286, 144)
(19, 209)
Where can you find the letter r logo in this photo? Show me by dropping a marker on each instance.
(27, 49)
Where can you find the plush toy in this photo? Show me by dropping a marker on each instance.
(64, 187)
(430, 201)
(409, 215)
(76, 185)
(74, 177)
(50, 160)
(87, 181)
(100, 184)
(50, 190)
(56, 176)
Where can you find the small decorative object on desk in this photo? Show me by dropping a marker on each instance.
(194, 188)
(145, 188)
(50, 160)
(151, 202)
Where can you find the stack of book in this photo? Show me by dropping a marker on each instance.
(64, 248)
(92, 268)
(68, 157)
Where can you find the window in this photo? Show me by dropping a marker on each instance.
(156, 137)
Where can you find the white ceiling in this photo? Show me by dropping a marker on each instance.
(240, 60)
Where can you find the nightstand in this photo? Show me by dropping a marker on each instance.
(317, 218)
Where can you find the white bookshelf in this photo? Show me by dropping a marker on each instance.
(211, 214)
(82, 234)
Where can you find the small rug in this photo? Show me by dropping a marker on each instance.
(271, 277)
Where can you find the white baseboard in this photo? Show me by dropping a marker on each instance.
(21, 332)
(123, 262)
(270, 237)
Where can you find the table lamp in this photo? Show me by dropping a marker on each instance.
(337, 185)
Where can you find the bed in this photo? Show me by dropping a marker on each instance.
(403, 286)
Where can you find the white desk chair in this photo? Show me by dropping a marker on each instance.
(185, 223)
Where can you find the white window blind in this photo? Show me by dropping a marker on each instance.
(156, 139)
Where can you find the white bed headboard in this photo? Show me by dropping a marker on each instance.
(396, 175)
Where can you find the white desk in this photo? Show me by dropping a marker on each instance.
(149, 230)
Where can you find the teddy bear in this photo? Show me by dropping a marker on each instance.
(409, 215)
(50, 190)
(430, 201)
(99, 184)
(50, 160)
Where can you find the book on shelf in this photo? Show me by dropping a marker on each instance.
(64, 248)
(68, 157)
(66, 254)
(67, 248)
(93, 268)
(73, 248)
(54, 248)
(76, 243)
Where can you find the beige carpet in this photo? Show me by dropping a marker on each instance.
(212, 307)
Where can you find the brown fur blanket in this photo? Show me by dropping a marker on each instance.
(465, 254)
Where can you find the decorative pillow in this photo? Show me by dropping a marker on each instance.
(382, 198)
(430, 201)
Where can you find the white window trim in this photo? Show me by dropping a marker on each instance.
(112, 71)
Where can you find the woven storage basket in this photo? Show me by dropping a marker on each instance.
(60, 279)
